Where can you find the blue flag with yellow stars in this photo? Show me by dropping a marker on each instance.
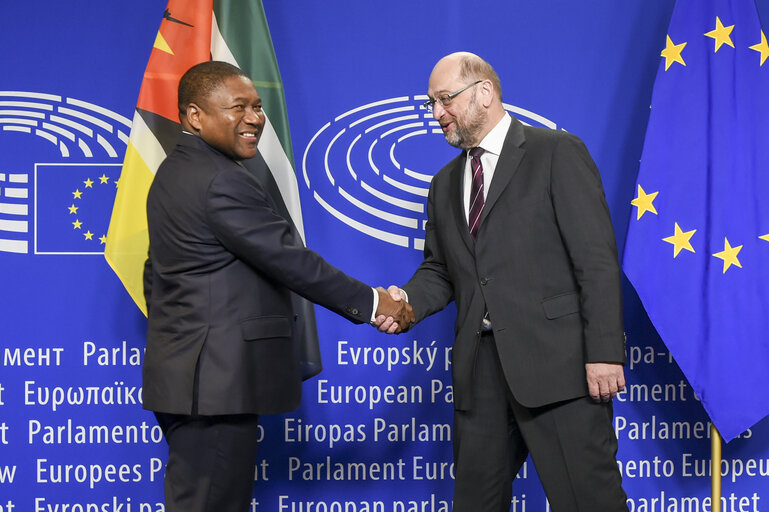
(697, 249)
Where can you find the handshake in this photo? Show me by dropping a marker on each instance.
(393, 314)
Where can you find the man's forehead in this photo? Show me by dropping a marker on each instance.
(238, 86)
(445, 74)
(443, 84)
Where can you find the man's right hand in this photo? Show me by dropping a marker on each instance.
(393, 315)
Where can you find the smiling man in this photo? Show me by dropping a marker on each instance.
(221, 265)
(519, 236)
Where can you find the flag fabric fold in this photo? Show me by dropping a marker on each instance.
(194, 31)
(697, 247)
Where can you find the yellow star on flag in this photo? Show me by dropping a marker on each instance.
(77, 194)
(764, 237)
(103, 179)
(721, 34)
(644, 202)
(77, 224)
(103, 239)
(729, 255)
(73, 209)
(680, 240)
(88, 183)
(762, 48)
(88, 235)
(672, 53)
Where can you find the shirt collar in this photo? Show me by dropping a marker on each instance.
(495, 139)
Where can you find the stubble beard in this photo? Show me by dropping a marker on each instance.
(465, 133)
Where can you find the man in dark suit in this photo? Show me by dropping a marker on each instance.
(221, 265)
(519, 235)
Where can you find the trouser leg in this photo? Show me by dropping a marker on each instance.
(488, 450)
(211, 462)
(574, 449)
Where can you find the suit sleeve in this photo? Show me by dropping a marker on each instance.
(247, 225)
(430, 288)
(585, 225)
(147, 283)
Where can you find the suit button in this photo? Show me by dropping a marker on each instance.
(484, 280)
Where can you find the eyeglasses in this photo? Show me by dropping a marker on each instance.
(446, 99)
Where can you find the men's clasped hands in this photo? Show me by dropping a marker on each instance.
(394, 314)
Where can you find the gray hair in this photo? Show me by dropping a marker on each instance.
(472, 67)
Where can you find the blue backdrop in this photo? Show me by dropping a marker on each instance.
(373, 432)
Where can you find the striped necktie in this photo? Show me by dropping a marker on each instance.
(476, 191)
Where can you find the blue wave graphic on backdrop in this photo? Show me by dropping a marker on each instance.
(364, 167)
(38, 207)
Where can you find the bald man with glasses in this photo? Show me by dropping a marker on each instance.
(519, 236)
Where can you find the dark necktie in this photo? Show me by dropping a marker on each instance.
(476, 191)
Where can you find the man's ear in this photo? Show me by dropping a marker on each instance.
(487, 92)
(193, 116)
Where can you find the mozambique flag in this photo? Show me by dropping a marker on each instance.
(194, 31)
(697, 249)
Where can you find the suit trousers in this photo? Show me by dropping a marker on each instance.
(572, 444)
(211, 462)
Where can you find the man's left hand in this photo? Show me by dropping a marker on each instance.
(604, 380)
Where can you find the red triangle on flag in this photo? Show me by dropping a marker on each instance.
(186, 27)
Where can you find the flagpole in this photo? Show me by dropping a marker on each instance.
(715, 469)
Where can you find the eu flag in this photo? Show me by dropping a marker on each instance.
(72, 204)
(697, 249)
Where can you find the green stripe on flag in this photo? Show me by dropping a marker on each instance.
(262, 84)
(243, 26)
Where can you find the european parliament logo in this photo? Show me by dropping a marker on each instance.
(371, 167)
(60, 161)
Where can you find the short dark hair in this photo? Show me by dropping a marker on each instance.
(202, 79)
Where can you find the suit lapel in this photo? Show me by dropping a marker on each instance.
(509, 160)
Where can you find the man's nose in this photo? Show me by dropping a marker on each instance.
(438, 110)
(253, 116)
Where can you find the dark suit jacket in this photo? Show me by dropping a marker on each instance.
(544, 265)
(221, 264)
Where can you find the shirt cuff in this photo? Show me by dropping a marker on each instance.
(375, 306)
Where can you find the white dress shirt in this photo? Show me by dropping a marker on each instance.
(492, 146)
